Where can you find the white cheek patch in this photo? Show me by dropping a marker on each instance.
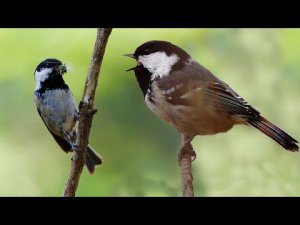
(41, 77)
(158, 63)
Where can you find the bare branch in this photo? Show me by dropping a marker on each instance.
(186, 176)
(86, 112)
(185, 161)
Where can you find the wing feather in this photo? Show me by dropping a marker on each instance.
(65, 145)
(199, 83)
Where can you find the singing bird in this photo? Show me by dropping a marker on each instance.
(191, 99)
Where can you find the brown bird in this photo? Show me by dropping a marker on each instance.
(190, 98)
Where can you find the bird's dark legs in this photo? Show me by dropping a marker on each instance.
(186, 148)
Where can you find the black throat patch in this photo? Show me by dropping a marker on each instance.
(143, 77)
(53, 83)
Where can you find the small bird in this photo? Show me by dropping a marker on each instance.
(190, 98)
(57, 108)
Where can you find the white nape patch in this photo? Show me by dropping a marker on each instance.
(41, 77)
(191, 92)
(158, 63)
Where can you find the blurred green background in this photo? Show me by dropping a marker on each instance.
(140, 150)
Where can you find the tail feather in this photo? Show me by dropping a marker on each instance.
(92, 159)
(274, 132)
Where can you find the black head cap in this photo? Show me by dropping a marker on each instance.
(49, 63)
(160, 46)
(53, 78)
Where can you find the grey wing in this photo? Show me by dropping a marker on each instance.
(195, 83)
(59, 110)
(65, 145)
(59, 113)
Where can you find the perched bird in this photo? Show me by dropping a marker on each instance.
(190, 98)
(57, 108)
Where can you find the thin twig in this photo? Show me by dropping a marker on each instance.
(185, 161)
(86, 112)
(186, 176)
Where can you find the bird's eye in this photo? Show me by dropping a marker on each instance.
(147, 50)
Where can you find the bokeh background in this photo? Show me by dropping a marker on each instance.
(140, 150)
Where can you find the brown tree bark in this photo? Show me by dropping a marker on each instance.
(185, 158)
(187, 176)
(86, 112)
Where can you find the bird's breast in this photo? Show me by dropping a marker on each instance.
(58, 109)
(158, 103)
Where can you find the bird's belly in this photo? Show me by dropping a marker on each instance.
(206, 124)
(188, 119)
(57, 113)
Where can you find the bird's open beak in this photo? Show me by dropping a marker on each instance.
(130, 55)
(133, 68)
(62, 69)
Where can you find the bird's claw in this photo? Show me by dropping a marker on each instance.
(193, 155)
(81, 103)
(181, 154)
(74, 147)
(76, 116)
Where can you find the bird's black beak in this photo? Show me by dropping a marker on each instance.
(130, 55)
(133, 68)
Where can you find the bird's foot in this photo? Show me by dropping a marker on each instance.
(81, 103)
(191, 153)
(74, 147)
(186, 149)
(76, 116)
